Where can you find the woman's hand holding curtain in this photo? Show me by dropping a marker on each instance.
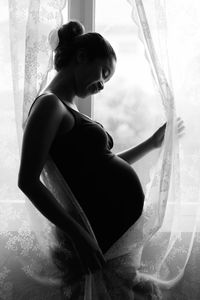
(155, 141)
(158, 137)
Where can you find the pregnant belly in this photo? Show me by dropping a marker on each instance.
(125, 187)
(122, 172)
(118, 201)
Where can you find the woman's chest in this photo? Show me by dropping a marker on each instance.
(85, 135)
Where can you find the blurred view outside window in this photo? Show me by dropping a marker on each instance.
(129, 107)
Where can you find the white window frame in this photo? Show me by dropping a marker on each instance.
(84, 11)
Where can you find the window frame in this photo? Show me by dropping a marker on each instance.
(84, 11)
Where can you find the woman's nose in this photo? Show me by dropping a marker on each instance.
(100, 85)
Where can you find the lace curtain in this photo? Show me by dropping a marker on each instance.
(159, 244)
(168, 31)
(25, 233)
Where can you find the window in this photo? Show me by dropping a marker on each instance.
(123, 106)
(129, 106)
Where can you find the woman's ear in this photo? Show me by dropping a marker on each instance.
(81, 56)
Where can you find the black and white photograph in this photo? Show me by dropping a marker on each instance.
(100, 150)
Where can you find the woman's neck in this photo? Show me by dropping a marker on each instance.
(62, 85)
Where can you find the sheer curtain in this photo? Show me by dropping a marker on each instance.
(168, 31)
(26, 272)
(159, 244)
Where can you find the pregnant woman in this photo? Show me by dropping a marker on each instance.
(104, 184)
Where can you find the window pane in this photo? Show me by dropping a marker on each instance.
(130, 106)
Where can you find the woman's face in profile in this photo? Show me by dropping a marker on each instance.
(93, 75)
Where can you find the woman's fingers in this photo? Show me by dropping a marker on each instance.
(180, 127)
(92, 259)
(95, 262)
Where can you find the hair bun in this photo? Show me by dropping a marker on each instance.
(69, 31)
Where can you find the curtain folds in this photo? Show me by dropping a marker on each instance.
(26, 271)
(167, 239)
(34, 263)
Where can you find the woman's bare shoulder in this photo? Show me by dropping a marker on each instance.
(49, 104)
(45, 102)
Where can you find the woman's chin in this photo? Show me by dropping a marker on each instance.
(85, 95)
(88, 93)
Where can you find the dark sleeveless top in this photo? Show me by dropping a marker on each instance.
(106, 187)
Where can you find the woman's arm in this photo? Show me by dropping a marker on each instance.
(155, 141)
(40, 131)
(87, 248)
(135, 153)
(45, 202)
